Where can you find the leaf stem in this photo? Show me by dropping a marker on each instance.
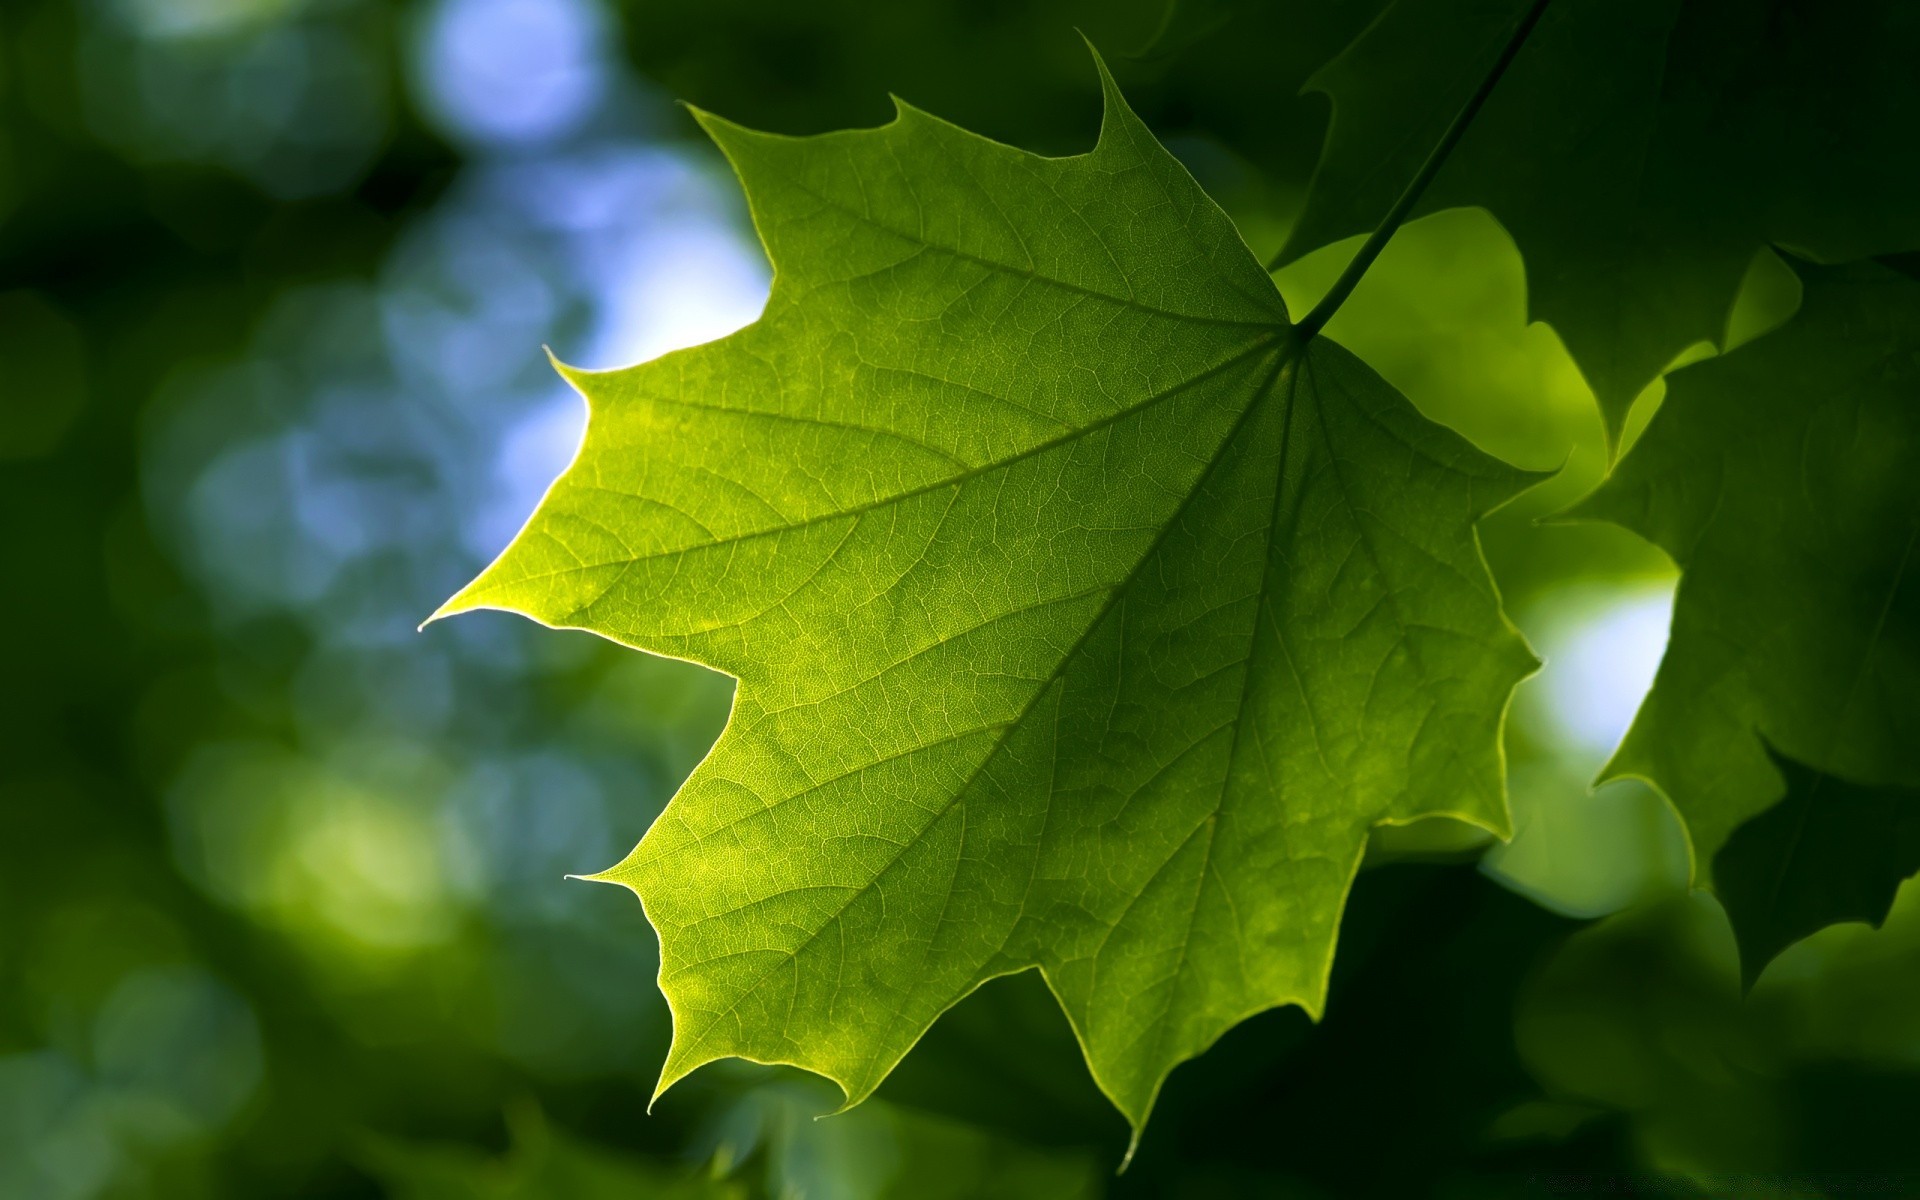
(1342, 287)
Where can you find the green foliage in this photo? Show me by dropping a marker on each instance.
(1828, 851)
(1215, 73)
(1085, 616)
(1639, 151)
(774, 1142)
(1596, 1024)
(281, 909)
(767, 1145)
(541, 1163)
(1781, 479)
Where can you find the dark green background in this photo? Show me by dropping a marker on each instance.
(281, 890)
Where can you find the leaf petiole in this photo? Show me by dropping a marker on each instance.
(1350, 277)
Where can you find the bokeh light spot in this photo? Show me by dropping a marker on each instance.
(511, 71)
(1601, 664)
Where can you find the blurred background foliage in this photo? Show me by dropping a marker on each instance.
(281, 898)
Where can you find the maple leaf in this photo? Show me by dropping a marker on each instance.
(1639, 151)
(1828, 851)
(1782, 478)
(1085, 615)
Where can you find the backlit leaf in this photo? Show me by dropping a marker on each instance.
(1639, 151)
(1085, 617)
(1784, 479)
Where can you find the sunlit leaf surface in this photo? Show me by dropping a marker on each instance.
(1085, 616)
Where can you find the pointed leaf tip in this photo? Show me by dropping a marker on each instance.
(1114, 109)
(575, 376)
(729, 136)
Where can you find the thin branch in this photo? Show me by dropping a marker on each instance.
(1342, 287)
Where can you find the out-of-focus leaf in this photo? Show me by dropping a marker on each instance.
(1640, 151)
(1850, 992)
(1183, 23)
(1214, 74)
(541, 1164)
(803, 68)
(885, 1152)
(1790, 1087)
(1830, 851)
(1641, 1013)
(1084, 616)
(1782, 478)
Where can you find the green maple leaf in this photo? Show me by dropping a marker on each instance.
(1828, 851)
(1784, 479)
(1085, 616)
(1639, 151)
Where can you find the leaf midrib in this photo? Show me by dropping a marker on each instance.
(1277, 340)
